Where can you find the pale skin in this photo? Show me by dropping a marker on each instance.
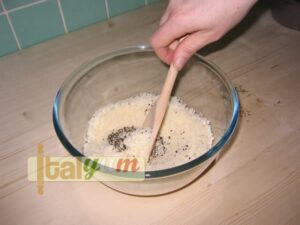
(200, 22)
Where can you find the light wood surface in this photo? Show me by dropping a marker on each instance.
(256, 181)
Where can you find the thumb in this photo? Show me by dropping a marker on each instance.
(189, 46)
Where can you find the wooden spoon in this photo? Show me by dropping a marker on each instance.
(158, 110)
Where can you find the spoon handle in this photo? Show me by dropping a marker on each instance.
(161, 107)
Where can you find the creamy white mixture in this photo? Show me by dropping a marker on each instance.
(115, 130)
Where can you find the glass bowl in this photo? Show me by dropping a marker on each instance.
(128, 72)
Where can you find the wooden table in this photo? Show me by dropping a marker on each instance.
(257, 181)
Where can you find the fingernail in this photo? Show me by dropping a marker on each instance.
(174, 45)
(179, 63)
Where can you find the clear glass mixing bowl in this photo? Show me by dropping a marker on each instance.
(128, 72)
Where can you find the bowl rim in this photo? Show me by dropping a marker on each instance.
(157, 173)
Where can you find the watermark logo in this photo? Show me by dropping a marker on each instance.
(43, 169)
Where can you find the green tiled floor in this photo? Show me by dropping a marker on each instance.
(7, 41)
(37, 23)
(117, 7)
(79, 13)
(10, 4)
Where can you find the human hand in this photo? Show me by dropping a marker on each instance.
(200, 21)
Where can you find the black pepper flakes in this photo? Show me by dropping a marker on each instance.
(116, 138)
(159, 148)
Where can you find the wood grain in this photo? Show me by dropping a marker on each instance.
(257, 180)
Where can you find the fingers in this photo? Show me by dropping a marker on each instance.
(189, 46)
(169, 31)
(165, 54)
(165, 16)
